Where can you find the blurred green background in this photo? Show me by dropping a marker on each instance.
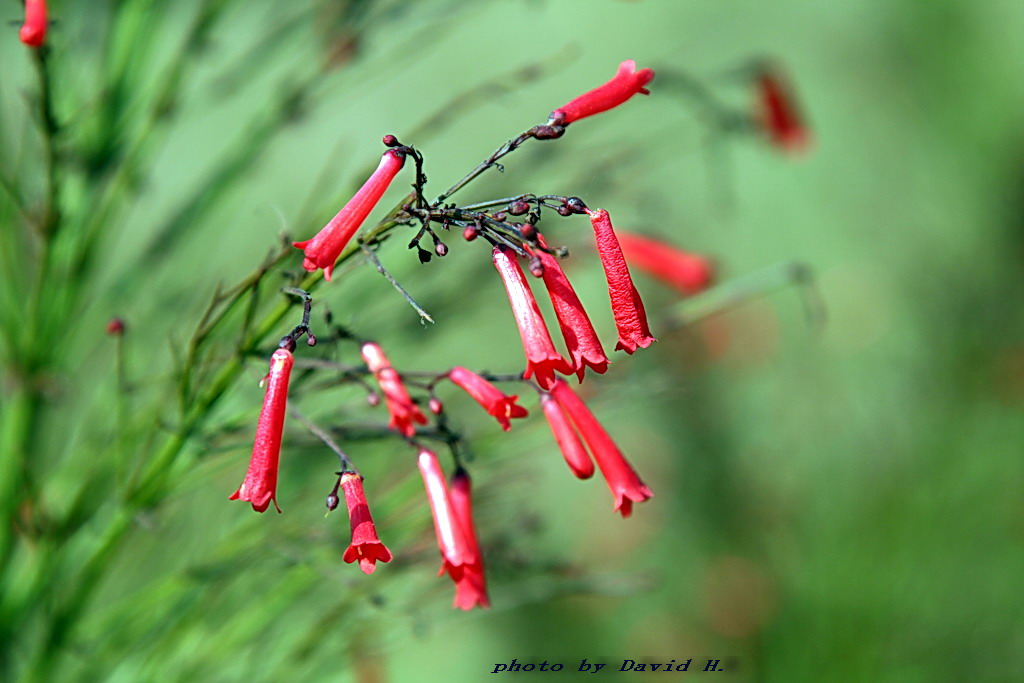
(834, 504)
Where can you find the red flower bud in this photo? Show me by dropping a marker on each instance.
(622, 479)
(627, 307)
(403, 411)
(580, 338)
(568, 440)
(260, 485)
(541, 358)
(779, 114)
(686, 272)
(470, 582)
(626, 83)
(33, 31)
(325, 248)
(496, 403)
(365, 546)
(451, 539)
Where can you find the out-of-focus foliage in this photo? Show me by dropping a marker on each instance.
(840, 504)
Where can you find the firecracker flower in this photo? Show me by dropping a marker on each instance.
(400, 405)
(627, 307)
(626, 83)
(470, 582)
(622, 479)
(260, 485)
(496, 403)
(581, 340)
(366, 546)
(568, 440)
(33, 31)
(324, 249)
(451, 539)
(542, 360)
(778, 113)
(686, 272)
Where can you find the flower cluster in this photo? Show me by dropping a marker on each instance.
(509, 227)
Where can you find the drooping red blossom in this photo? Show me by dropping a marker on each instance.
(686, 272)
(622, 479)
(542, 360)
(366, 546)
(627, 307)
(567, 438)
(33, 31)
(451, 539)
(496, 403)
(323, 249)
(779, 114)
(581, 340)
(626, 83)
(470, 584)
(400, 405)
(260, 484)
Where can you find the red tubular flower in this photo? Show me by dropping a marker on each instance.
(471, 584)
(567, 438)
(580, 338)
(403, 411)
(451, 539)
(487, 395)
(366, 546)
(621, 477)
(541, 358)
(323, 250)
(260, 485)
(628, 309)
(686, 272)
(33, 31)
(778, 113)
(626, 83)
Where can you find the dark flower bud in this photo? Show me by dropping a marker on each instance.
(441, 249)
(564, 211)
(548, 132)
(435, 405)
(115, 327)
(576, 205)
(332, 502)
(373, 399)
(536, 267)
(528, 231)
(423, 254)
(518, 207)
(470, 233)
(500, 216)
(310, 339)
(390, 141)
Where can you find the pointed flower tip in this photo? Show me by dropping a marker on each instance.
(626, 83)
(260, 485)
(323, 250)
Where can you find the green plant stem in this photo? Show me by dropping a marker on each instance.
(149, 488)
